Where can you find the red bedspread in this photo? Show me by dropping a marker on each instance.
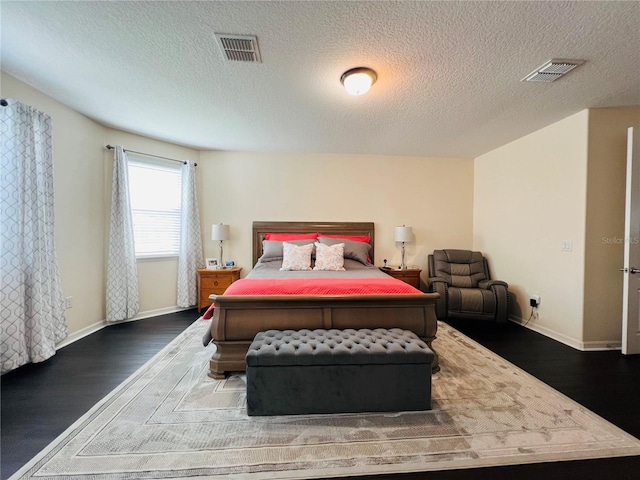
(318, 286)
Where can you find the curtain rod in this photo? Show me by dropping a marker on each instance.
(111, 147)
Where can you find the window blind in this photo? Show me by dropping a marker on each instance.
(155, 192)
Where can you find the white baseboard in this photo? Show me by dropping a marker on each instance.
(81, 334)
(100, 325)
(601, 346)
(571, 342)
(159, 311)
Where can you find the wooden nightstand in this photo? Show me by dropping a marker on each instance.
(214, 282)
(408, 275)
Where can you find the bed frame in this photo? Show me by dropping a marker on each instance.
(238, 318)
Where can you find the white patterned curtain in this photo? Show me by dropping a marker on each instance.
(122, 274)
(191, 257)
(31, 300)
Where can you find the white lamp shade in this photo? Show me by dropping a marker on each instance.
(220, 232)
(403, 234)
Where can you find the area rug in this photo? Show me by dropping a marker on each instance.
(170, 420)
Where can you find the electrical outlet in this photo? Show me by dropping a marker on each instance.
(534, 301)
(68, 302)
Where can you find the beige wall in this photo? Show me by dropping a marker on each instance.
(82, 195)
(569, 179)
(79, 197)
(606, 175)
(530, 196)
(237, 188)
(432, 195)
(517, 204)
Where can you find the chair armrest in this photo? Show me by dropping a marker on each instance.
(487, 284)
(501, 291)
(432, 280)
(440, 286)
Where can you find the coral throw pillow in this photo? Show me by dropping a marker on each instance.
(284, 237)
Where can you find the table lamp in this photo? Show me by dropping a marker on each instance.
(404, 235)
(220, 232)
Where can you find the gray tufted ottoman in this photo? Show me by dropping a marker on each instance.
(337, 371)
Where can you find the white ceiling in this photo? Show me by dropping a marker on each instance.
(448, 72)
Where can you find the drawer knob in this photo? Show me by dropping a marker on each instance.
(215, 283)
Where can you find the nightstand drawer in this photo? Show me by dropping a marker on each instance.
(408, 275)
(203, 298)
(412, 280)
(216, 284)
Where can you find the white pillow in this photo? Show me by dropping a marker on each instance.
(296, 257)
(329, 257)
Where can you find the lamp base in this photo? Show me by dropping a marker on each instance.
(402, 265)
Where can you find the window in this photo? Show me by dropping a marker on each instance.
(155, 192)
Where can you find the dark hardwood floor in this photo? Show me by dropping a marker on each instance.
(39, 401)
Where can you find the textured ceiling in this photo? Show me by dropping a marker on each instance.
(448, 72)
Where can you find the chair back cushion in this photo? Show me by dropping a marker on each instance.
(460, 268)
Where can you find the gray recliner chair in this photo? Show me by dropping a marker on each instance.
(461, 277)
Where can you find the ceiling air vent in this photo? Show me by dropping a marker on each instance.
(241, 48)
(552, 70)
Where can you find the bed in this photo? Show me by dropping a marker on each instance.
(237, 318)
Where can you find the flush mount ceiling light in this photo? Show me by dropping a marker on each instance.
(358, 81)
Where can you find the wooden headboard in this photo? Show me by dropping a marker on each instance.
(330, 228)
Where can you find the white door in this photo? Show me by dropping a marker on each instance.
(631, 289)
